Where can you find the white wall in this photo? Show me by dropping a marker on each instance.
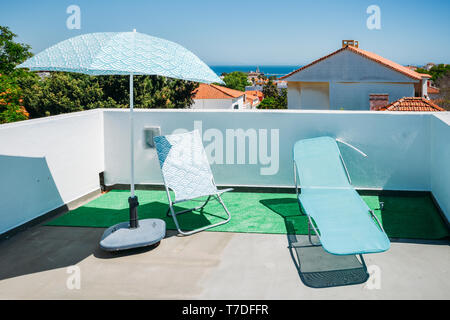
(218, 103)
(398, 144)
(424, 87)
(440, 160)
(355, 96)
(48, 162)
(347, 66)
(342, 95)
(308, 95)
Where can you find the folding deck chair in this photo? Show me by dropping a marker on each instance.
(185, 170)
(342, 221)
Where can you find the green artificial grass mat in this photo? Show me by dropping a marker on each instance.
(413, 217)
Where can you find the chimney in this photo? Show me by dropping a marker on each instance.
(378, 101)
(352, 43)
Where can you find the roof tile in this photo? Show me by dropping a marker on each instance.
(369, 55)
(212, 91)
(412, 104)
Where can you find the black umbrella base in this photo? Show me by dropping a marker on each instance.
(122, 237)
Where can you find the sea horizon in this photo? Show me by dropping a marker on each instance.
(268, 70)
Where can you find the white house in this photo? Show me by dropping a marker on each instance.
(346, 79)
(211, 96)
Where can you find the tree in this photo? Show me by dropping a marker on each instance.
(11, 97)
(273, 98)
(62, 93)
(436, 71)
(270, 90)
(236, 80)
(11, 103)
(149, 91)
(443, 82)
(11, 53)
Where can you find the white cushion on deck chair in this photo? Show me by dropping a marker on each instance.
(185, 166)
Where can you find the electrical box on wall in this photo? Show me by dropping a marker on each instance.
(149, 134)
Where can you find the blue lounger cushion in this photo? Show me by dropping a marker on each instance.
(344, 221)
(342, 217)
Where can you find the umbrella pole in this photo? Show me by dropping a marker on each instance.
(132, 200)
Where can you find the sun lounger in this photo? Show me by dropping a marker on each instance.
(340, 218)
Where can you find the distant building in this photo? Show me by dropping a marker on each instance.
(43, 74)
(429, 65)
(254, 75)
(413, 68)
(346, 78)
(211, 96)
(253, 88)
(412, 104)
(251, 100)
(433, 92)
(280, 84)
(257, 93)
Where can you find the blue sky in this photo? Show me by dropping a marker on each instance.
(248, 32)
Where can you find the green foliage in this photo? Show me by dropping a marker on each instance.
(11, 53)
(436, 71)
(270, 90)
(11, 102)
(66, 92)
(273, 98)
(268, 103)
(61, 93)
(443, 82)
(236, 80)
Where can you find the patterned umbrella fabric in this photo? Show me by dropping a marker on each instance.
(122, 53)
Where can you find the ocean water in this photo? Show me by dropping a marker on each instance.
(277, 71)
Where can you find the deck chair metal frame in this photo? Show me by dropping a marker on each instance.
(212, 193)
(311, 223)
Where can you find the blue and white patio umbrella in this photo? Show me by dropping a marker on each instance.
(125, 53)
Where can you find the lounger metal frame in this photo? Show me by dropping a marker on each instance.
(216, 196)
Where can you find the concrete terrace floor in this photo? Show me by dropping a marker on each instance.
(208, 265)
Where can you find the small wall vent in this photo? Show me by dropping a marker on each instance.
(149, 134)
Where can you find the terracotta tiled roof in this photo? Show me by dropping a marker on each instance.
(257, 93)
(251, 99)
(372, 56)
(412, 104)
(212, 91)
(433, 90)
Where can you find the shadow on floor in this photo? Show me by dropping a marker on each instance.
(99, 217)
(316, 267)
(58, 245)
(42, 248)
(413, 218)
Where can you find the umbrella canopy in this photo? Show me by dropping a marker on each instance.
(122, 53)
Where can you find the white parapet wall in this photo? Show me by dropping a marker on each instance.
(48, 162)
(397, 145)
(440, 160)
